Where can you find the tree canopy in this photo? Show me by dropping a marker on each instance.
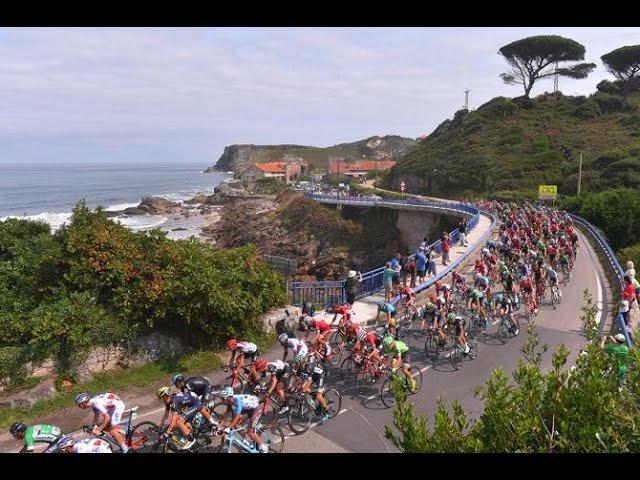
(534, 58)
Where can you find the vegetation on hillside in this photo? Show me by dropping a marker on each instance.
(562, 410)
(94, 282)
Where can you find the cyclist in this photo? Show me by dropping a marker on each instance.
(389, 310)
(457, 325)
(68, 444)
(314, 374)
(428, 313)
(476, 300)
(297, 346)
(243, 408)
(201, 387)
(181, 408)
(110, 408)
(526, 285)
(552, 276)
(41, 433)
(280, 373)
(457, 280)
(399, 356)
(344, 311)
(564, 262)
(322, 328)
(243, 350)
(410, 300)
(504, 306)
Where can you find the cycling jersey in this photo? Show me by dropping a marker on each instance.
(41, 433)
(553, 275)
(476, 293)
(244, 404)
(91, 445)
(184, 403)
(280, 369)
(564, 259)
(397, 348)
(201, 386)
(109, 404)
(297, 346)
(387, 308)
(321, 326)
(246, 347)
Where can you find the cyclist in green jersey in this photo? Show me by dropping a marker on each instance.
(40, 433)
(399, 355)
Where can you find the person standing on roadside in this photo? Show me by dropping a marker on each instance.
(424, 244)
(431, 265)
(421, 265)
(615, 346)
(397, 267)
(351, 286)
(444, 245)
(412, 267)
(462, 228)
(387, 281)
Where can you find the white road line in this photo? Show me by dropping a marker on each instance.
(600, 302)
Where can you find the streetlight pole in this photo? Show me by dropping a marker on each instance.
(579, 174)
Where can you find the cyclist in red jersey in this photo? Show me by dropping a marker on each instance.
(345, 311)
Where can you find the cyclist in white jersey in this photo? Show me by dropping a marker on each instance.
(297, 346)
(110, 408)
(68, 444)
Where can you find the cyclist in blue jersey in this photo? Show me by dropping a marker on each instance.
(243, 408)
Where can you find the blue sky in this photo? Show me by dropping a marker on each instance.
(164, 95)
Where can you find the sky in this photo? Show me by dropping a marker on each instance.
(179, 95)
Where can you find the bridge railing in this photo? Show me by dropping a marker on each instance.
(611, 260)
(332, 292)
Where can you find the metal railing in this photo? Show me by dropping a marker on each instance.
(614, 264)
(332, 292)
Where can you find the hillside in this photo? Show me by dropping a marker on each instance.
(507, 147)
(239, 157)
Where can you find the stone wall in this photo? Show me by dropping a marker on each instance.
(414, 225)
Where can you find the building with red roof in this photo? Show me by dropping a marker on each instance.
(359, 168)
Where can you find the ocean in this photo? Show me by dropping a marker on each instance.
(49, 192)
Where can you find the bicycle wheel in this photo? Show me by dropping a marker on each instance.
(205, 437)
(473, 349)
(386, 393)
(143, 436)
(366, 382)
(334, 401)
(554, 298)
(512, 331)
(456, 357)
(432, 347)
(503, 331)
(336, 338)
(401, 332)
(348, 367)
(300, 415)
(273, 437)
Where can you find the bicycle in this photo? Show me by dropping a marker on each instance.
(555, 296)
(434, 343)
(136, 437)
(272, 436)
(305, 407)
(457, 353)
(386, 391)
(369, 374)
(566, 274)
(506, 329)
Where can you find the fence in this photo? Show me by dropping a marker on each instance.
(332, 292)
(610, 257)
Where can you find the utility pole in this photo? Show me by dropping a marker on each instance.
(579, 174)
(555, 80)
(466, 99)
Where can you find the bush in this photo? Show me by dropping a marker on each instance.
(12, 360)
(609, 103)
(498, 108)
(629, 253)
(586, 109)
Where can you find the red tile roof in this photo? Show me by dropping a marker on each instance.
(271, 167)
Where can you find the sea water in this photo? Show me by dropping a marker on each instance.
(49, 192)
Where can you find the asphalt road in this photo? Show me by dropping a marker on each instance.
(360, 425)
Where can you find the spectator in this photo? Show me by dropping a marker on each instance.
(424, 244)
(406, 273)
(444, 245)
(412, 267)
(396, 266)
(421, 264)
(631, 271)
(462, 228)
(619, 351)
(431, 265)
(387, 281)
(351, 286)
(629, 291)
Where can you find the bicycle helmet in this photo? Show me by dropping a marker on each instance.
(17, 428)
(163, 392)
(451, 316)
(619, 337)
(379, 303)
(387, 340)
(65, 442)
(178, 378)
(260, 364)
(298, 359)
(272, 367)
(458, 318)
(81, 398)
(309, 321)
(433, 298)
(283, 337)
(438, 286)
(232, 343)
(362, 334)
(226, 392)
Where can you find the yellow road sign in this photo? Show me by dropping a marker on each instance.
(548, 190)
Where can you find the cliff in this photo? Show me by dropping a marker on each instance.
(238, 157)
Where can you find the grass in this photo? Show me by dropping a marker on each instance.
(114, 381)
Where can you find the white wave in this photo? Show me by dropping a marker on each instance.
(55, 220)
(141, 222)
(120, 206)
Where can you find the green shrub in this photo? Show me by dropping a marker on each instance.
(609, 103)
(12, 360)
(498, 108)
(586, 109)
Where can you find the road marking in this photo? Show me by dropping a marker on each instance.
(600, 303)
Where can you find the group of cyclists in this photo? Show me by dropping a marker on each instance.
(533, 243)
